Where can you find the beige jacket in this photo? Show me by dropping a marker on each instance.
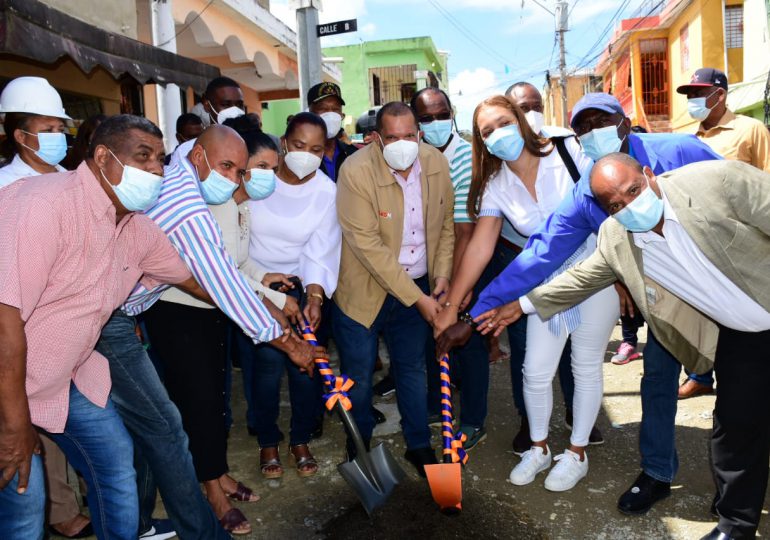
(370, 206)
(725, 208)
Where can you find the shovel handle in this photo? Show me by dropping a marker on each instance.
(451, 452)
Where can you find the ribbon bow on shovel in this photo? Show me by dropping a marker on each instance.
(445, 479)
(372, 474)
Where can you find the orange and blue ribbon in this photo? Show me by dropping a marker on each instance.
(338, 386)
(452, 442)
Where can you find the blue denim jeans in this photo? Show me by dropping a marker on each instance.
(406, 334)
(706, 379)
(22, 516)
(156, 428)
(263, 367)
(517, 340)
(659, 386)
(97, 444)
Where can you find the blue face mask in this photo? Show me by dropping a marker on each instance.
(643, 213)
(138, 190)
(216, 189)
(600, 142)
(261, 184)
(436, 133)
(506, 142)
(53, 147)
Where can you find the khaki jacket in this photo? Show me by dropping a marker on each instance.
(370, 206)
(725, 208)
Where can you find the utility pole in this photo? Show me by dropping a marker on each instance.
(308, 46)
(168, 98)
(562, 11)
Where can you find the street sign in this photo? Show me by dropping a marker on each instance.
(339, 27)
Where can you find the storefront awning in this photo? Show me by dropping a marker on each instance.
(33, 30)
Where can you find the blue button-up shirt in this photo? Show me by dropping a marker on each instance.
(579, 215)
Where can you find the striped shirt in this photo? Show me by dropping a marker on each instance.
(458, 154)
(182, 214)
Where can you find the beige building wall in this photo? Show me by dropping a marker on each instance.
(118, 16)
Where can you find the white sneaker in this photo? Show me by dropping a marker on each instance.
(567, 472)
(533, 461)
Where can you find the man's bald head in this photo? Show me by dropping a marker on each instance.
(617, 179)
(222, 149)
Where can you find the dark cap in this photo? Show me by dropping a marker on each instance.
(705, 77)
(324, 90)
(596, 100)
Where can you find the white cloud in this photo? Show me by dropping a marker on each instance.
(468, 88)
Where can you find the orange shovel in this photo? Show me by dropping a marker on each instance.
(445, 479)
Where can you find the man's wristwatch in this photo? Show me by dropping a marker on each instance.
(467, 319)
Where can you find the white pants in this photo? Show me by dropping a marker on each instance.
(598, 315)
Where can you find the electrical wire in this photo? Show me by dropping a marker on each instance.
(186, 26)
(600, 40)
(469, 35)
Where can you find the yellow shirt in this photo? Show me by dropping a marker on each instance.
(739, 138)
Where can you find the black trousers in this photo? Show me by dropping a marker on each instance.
(190, 344)
(740, 442)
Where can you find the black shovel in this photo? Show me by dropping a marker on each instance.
(372, 474)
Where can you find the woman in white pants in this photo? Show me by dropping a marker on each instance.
(521, 177)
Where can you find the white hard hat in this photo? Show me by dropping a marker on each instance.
(33, 95)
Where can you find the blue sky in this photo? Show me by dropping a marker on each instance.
(497, 43)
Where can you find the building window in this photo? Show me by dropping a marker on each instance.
(734, 26)
(376, 95)
(392, 83)
(684, 47)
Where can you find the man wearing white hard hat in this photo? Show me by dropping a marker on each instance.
(35, 144)
(34, 127)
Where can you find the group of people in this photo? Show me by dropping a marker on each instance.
(129, 282)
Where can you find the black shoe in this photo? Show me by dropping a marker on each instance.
(595, 438)
(716, 534)
(643, 495)
(421, 457)
(385, 387)
(522, 442)
(435, 420)
(713, 509)
(379, 418)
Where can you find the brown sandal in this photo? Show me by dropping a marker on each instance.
(305, 463)
(233, 519)
(270, 466)
(242, 494)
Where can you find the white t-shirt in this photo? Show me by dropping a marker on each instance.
(18, 168)
(295, 231)
(506, 196)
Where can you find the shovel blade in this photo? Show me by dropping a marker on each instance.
(446, 486)
(372, 479)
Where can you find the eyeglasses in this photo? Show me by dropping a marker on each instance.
(428, 118)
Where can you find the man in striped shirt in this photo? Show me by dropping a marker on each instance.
(152, 419)
(434, 113)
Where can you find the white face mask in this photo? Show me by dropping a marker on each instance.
(333, 122)
(302, 163)
(224, 114)
(536, 121)
(400, 155)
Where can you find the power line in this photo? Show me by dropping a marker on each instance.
(542, 6)
(610, 25)
(186, 26)
(468, 34)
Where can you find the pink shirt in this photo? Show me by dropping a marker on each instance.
(66, 266)
(413, 257)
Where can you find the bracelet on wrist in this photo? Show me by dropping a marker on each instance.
(317, 295)
(450, 304)
(467, 319)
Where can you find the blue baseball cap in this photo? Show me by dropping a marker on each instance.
(596, 100)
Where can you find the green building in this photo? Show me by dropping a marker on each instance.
(373, 73)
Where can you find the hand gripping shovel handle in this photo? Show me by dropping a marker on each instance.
(338, 399)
